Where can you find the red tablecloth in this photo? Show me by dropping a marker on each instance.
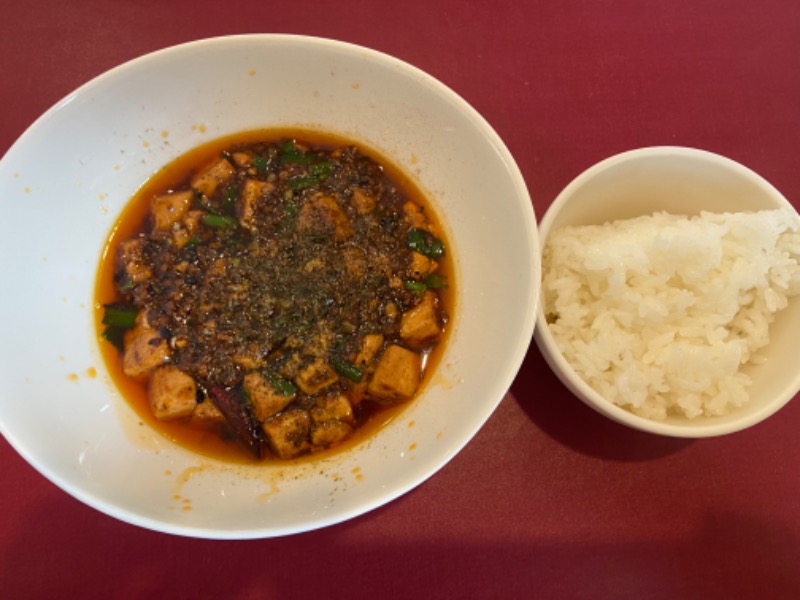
(549, 500)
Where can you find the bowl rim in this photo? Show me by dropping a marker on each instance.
(567, 374)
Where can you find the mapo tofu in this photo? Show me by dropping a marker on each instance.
(279, 293)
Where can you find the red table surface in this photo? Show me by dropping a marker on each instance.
(550, 499)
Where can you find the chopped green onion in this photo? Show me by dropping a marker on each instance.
(290, 154)
(416, 240)
(125, 283)
(115, 336)
(283, 386)
(301, 183)
(118, 318)
(436, 249)
(219, 221)
(423, 242)
(346, 369)
(435, 281)
(291, 209)
(321, 169)
(193, 241)
(119, 315)
(316, 174)
(415, 286)
(261, 163)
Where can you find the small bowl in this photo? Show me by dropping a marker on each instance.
(65, 182)
(679, 181)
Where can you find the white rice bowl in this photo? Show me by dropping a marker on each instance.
(727, 371)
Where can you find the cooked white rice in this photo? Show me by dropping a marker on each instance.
(659, 313)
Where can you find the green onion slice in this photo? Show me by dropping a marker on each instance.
(425, 243)
(283, 386)
(261, 163)
(219, 221)
(346, 369)
(119, 315)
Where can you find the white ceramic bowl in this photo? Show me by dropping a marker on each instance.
(63, 185)
(679, 181)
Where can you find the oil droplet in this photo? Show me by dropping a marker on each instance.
(414, 159)
(251, 72)
(16, 175)
(411, 423)
(165, 134)
(185, 476)
(91, 372)
(272, 482)
(201, 128)
(412, 447)
(72, 377)
(27, 190)
(61, 357)
(101, 197)
(116, 167)
(167, 472)
(355, 86)
(145, 144)
(186, 508)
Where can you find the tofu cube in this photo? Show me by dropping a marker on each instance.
(265, 400)
(332, 408)
(206, 413)
(421, 323)
(209, 179)
(363, 203)
(243, 159)
(421, 266)
(330, 432)
(370, 346)
(415, 216)
(172, 393)
(253, 190)
(331, 420)
(130, 259)
(322, 215)
(397, 375)
(316, 376)
(287, 433)
(145, 350)
(169, 209)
